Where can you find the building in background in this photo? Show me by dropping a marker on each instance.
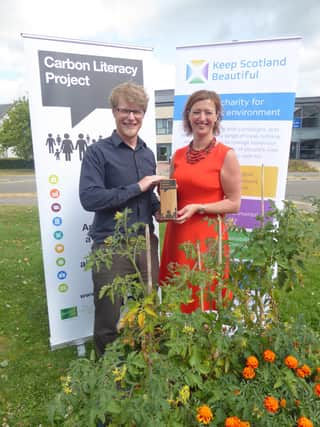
(305, 139)
(164, 119)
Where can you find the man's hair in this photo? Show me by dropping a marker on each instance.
(131, 93)
(202, 95)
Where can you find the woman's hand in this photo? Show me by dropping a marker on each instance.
(187, 212)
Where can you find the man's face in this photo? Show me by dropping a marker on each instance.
(128, 118)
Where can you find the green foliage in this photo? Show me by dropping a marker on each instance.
(15, 131)
(12, 163)
(166, 365)
(279, 247)
(127, 242)
(300, 166)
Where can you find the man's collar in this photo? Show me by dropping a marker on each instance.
(116, 139)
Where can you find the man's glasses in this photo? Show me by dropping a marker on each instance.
(126, 112)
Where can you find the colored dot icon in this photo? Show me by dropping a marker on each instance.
(59, 248)
(54, 193)
(60, 261)
(57, 220)
(63, 287)
(61, 275)
(58, 235)
(53, 179)
(55, 207)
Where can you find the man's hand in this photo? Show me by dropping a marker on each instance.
(158, 218)
(150, 181)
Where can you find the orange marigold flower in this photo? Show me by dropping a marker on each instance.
(306, 369)
(303, 371)
(204, 415)
(252, 361)
(291, 362)
(269, 356)
(304, 422)
(297, 402)
(317, 389)
(283, 403)
(300, 373)
(232, 422)
(244, 424)
(236, 392)
(248, 373)
(271, 404)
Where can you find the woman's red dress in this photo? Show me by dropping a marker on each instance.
(197, 183)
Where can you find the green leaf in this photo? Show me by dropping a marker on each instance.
(278, 383)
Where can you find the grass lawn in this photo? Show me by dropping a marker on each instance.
(29, 370)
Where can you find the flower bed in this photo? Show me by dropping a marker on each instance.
(240, 368)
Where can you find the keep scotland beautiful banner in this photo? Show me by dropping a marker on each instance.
(257, 83)
(69, 85)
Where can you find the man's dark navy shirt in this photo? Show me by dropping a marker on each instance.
(109, 178)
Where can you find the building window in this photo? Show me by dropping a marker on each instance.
(164, 126)
(308, 115)
(163, 152)
(305, 142)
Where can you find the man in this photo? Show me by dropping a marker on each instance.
(116, 173)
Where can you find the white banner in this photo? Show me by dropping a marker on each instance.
(256, 81)
(69, 86)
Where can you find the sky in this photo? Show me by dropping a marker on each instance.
(159, 24)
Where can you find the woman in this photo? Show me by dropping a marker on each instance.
(208, 179)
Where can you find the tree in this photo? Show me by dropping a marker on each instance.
(15, 131)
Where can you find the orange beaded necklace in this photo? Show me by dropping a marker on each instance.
(194, 156)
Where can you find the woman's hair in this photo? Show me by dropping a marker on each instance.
(132, 93)
(202, 95)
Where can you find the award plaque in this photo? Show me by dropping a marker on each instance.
(168, 199)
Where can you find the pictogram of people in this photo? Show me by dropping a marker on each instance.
(81, 145)
(58, 145)
(50, 142)
(58, 139)
(57, 154)
(67, 147)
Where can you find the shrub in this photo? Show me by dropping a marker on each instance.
(300, 166)
(13, 163)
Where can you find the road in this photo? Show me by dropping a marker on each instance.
(18, 190)
(17, 184)
(300, 190)
(21, 189)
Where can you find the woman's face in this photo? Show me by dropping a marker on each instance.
(203, 117)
